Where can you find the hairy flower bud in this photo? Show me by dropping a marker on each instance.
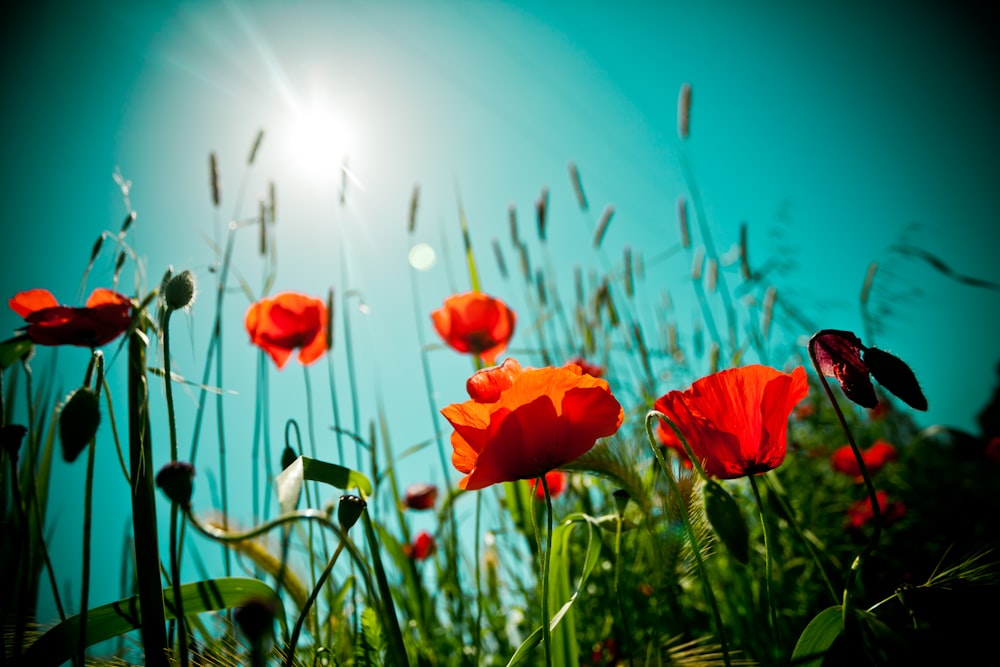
(349, 511)
(179, 291)
(176, 479)
(78, 422)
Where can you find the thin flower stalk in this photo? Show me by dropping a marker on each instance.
(689, 530)
(546, 631)
(97, 358)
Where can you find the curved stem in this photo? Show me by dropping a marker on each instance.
(689, 529)
(304, 612)
(872, 496)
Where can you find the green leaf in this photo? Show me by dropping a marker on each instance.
(560, 565)
(13, 350)
(817, 638)
(59, 644)
(290, 480)
(724, 514)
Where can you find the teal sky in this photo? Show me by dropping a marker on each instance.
(831, 129)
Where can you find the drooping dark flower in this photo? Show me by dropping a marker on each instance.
(105, 316)
(842, 355)
(475, 323)
(421, 496)
(176, 480)
(280, 324)
(79, 418)
(523, 423)
(736, 420)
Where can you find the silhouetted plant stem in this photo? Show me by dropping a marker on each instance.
(391, 623)
(147, 559)
(175, 566)
(872, 495)
(686, 520)
(304, 612)
(97, 358)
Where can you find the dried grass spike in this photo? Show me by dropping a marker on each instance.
(256, 146)
(682, 219)
(684, 111)
(498, 253)
(414, 199)
(213, 179)
(602, 224)
(574, 176)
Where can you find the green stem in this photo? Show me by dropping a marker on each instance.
(88, 506)
(772, 612)
(479, 586)
(304, 612)
(546, 631)
(689, 529)
(626, 635)
(391, 623)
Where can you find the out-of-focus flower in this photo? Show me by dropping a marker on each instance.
(876, 456)
(587, 367)
(992, 449)
(605, 653)
(422, 548)
(255, 617)
(859, 513)
(736, 420)
(105, 316)
(804, 411)
(420, 496)
(79, 418)
(557, 481)
(280, 324)
(475, 323)
(523, 423)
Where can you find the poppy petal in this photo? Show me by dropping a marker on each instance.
(30, 301)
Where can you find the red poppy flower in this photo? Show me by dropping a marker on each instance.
(475, 323)
(105, 316)
(422, 548)
(860, 512)
(420, 496)
(286, 321)
(587, 367)
(522, 423)
(736, 420)
(557, 480)
(876, 456)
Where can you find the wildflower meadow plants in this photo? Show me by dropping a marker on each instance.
(587, 505)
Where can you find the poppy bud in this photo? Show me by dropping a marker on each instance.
(892, 373)
(176, 479)
(179, 291)
(621, 500)
(838, 354)
(420, 496)
(288, 457)
(78, 421)
(349, 511)
(256, 618)
(11, 436)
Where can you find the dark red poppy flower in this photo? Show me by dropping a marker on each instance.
(587, 367)
(859, 513)
(557, 481)
(422, 548)
(842, 355)
(736, 420)
(876, 456)
(523, 423)
(420, 496)
(992, 449)
(475, 323)
(105, 316)
(280, 324)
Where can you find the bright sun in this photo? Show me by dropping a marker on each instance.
(318, 140)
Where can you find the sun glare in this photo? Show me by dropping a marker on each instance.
(319, 138)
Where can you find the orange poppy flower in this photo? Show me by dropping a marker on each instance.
(522, 423)
(475, 323)
(105, 316)
(736, 420)
(286, 321)
(843, 460)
